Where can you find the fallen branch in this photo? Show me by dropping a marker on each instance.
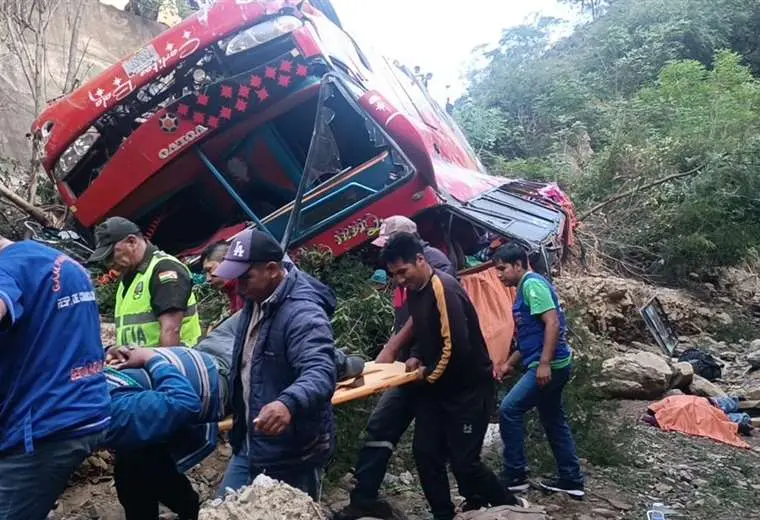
(33, 211)
(638, 189)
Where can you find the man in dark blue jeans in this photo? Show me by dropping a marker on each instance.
(54, 405)
(283, 368)
(544, 353)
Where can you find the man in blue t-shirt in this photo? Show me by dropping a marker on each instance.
(546, 357)
(54, 405)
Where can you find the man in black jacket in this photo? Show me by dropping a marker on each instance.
(395, 409)
(454, 404)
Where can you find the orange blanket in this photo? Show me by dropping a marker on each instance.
(696, 416)
(493, 301)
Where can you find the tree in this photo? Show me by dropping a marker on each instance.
(594, 7)
(26, 35)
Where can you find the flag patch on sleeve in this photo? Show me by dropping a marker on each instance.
(168, 276)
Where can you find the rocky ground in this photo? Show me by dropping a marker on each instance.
(696, 478)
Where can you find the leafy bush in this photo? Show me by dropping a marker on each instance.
(363, 319)
(362, 323)
(646, 90)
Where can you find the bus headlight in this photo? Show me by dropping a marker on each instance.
(75, 152)
(261, 33)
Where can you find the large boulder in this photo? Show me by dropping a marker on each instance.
(753, 358)
(264, 499)
(610, 307)
(704, 388)
(642, 375)
(683, 375)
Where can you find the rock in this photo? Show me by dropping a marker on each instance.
(505, 513)
(604, 513)
(108, 334)
(727, 355)
(752, 394)
(754, 345)
(753, 358)
(683, 375)
(704, 388)
(611, 307)
(406, 478)
(635, 376)
(663, 488)
(617, 504)
(265, 498)
(672, 392)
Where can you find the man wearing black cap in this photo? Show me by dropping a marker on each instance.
(155, 304)
(283, 368)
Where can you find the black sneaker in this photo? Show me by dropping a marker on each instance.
(517, 484)
(558, 485)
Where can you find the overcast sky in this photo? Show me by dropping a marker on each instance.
(437, 35)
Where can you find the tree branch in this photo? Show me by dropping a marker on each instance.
(638, 189)
(32, 210)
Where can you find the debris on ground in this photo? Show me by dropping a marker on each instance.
(610, 307)
(265, 499)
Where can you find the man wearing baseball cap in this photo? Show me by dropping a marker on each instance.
(155, 304)
(283, 368)
(395, 409)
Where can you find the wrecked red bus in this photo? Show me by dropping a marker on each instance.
(267, 113)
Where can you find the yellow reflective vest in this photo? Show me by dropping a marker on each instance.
(135, 322)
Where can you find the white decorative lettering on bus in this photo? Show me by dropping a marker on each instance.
(184, 139)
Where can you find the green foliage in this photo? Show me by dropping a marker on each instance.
(362, 323)
(647, 90)
(363, 319)
(213, 306)
(149, 9)
(105, 294)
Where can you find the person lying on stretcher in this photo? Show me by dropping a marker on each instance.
(165, 407)
(140, 392)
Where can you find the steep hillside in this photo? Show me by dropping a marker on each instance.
(107, 34)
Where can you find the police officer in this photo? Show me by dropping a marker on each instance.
(155, 304)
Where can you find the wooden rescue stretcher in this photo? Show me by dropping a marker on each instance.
(376, 378)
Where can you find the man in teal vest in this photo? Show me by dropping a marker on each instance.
(546, 358)
(155, 304)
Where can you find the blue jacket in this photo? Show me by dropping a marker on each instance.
(293, 362)
(51, 357)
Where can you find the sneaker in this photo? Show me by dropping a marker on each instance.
(375, 508)
(517, 484)
(558, 485)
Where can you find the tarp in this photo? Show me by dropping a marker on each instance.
(493, 301)
(695, 415)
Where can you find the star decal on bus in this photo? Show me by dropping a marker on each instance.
(168, 123)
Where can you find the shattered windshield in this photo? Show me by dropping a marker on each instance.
(345, 142)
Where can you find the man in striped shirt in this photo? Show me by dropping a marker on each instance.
(457, 396)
